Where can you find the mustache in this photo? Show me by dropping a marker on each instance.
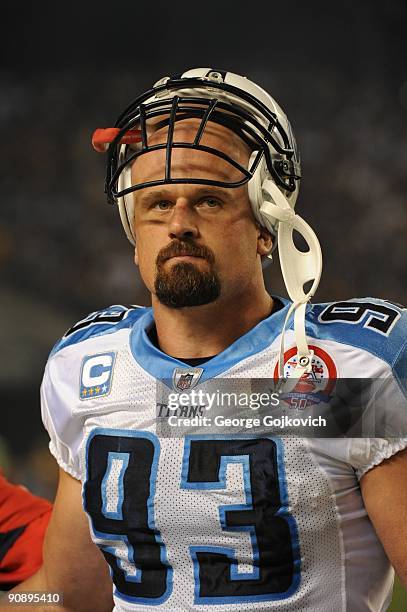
(179, 247)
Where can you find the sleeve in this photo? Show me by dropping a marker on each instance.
(18, 506)
(366, 453)
(65, 429)
(23, 521)
(389, 409)
(24, 557)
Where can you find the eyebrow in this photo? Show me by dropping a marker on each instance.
(148, 196)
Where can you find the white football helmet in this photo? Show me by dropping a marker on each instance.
(273, 174)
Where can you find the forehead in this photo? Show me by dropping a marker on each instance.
(193, 163)
(215, 133)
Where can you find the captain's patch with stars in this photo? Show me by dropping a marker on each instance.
(96, 375)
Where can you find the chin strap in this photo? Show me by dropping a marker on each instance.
(304, 354)
(297, 268)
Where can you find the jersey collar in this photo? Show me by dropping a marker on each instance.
(161, 366)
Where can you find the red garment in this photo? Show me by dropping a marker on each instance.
(23, 521)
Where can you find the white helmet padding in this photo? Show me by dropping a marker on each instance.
(126, 203)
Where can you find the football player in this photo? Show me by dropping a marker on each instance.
(205, 171)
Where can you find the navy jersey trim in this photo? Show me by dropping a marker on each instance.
(8, 538)
(98, 323)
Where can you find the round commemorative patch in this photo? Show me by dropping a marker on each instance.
(313, 387)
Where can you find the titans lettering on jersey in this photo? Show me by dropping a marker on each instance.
(223, 522)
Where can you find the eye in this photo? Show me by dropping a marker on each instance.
(161, 205)
(209, 202)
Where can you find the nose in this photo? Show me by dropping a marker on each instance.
(182, 221)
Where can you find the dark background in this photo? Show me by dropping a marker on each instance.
(338, 69)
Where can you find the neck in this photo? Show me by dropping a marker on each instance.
(201, 331)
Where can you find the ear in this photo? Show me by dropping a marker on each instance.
(264, 241)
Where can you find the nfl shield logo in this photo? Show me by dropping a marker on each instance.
(186, 378)
(184, 381)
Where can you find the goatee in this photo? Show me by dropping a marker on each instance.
(185, 284)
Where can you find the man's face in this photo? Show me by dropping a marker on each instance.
(195, 242)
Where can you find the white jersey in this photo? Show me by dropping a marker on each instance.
(213, 522)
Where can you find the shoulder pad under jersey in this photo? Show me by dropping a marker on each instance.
(100, 322)
(375, 325)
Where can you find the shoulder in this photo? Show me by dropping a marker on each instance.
(106, 322)
(370, 324)
(81, 366)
